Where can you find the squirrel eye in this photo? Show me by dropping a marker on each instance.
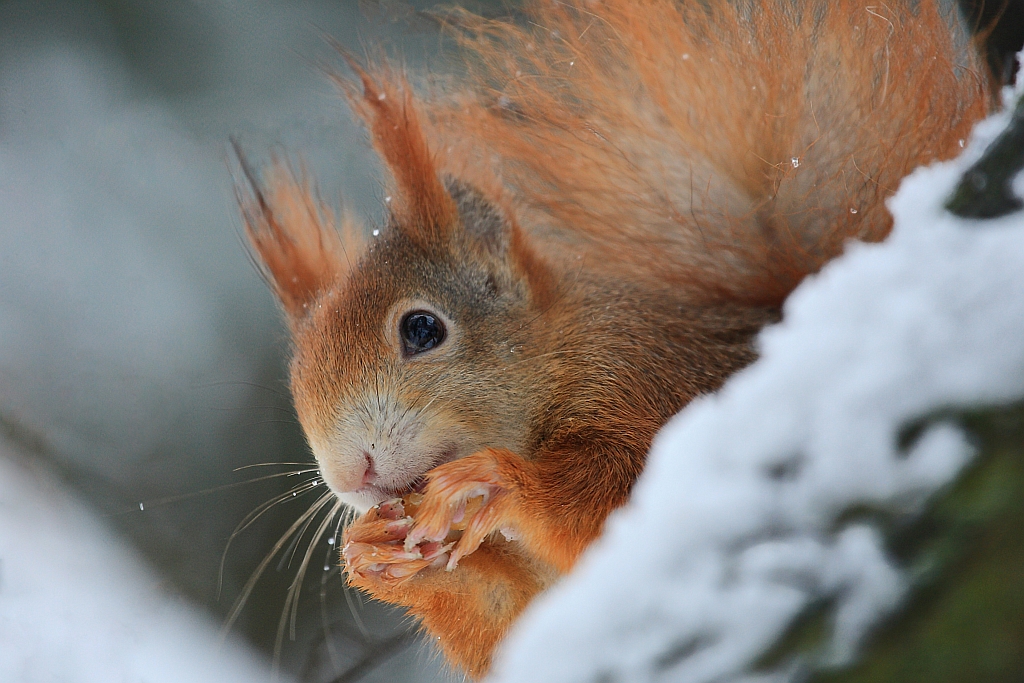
(421, 331)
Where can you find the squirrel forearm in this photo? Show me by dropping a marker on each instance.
(469, 604)
(469, 610)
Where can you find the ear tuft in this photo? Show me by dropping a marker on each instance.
(423, 207)
(295, 242)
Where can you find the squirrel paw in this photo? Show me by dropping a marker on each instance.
(467, 494)
(376, 548)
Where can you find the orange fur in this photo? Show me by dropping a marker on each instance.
(622, 122)
(295, 236)
(391, 116)
(603, 211)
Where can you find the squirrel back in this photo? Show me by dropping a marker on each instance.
(587, 228)
(729, 148)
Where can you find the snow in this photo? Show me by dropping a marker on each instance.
(75, 605)
(732, 529)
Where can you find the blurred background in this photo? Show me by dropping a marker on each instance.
(142, 359)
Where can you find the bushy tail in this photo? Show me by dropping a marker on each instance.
(730, 147)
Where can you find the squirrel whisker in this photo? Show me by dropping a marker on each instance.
(250, 584)
(262, 509)
(289, 612)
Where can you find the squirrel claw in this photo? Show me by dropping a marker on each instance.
(487, 520)
(448, 504)
(463, 503)
(374, 548)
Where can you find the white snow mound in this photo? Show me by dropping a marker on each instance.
(77, 607)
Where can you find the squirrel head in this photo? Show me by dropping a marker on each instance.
(412, 354)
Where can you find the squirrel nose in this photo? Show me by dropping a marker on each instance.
(370, 473)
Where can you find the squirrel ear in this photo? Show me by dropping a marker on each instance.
(295, 243)
(497, 238)
(481, 220)
(422, 205)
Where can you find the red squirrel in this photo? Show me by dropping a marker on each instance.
(587, 227)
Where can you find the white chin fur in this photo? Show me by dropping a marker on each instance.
(361, 501)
